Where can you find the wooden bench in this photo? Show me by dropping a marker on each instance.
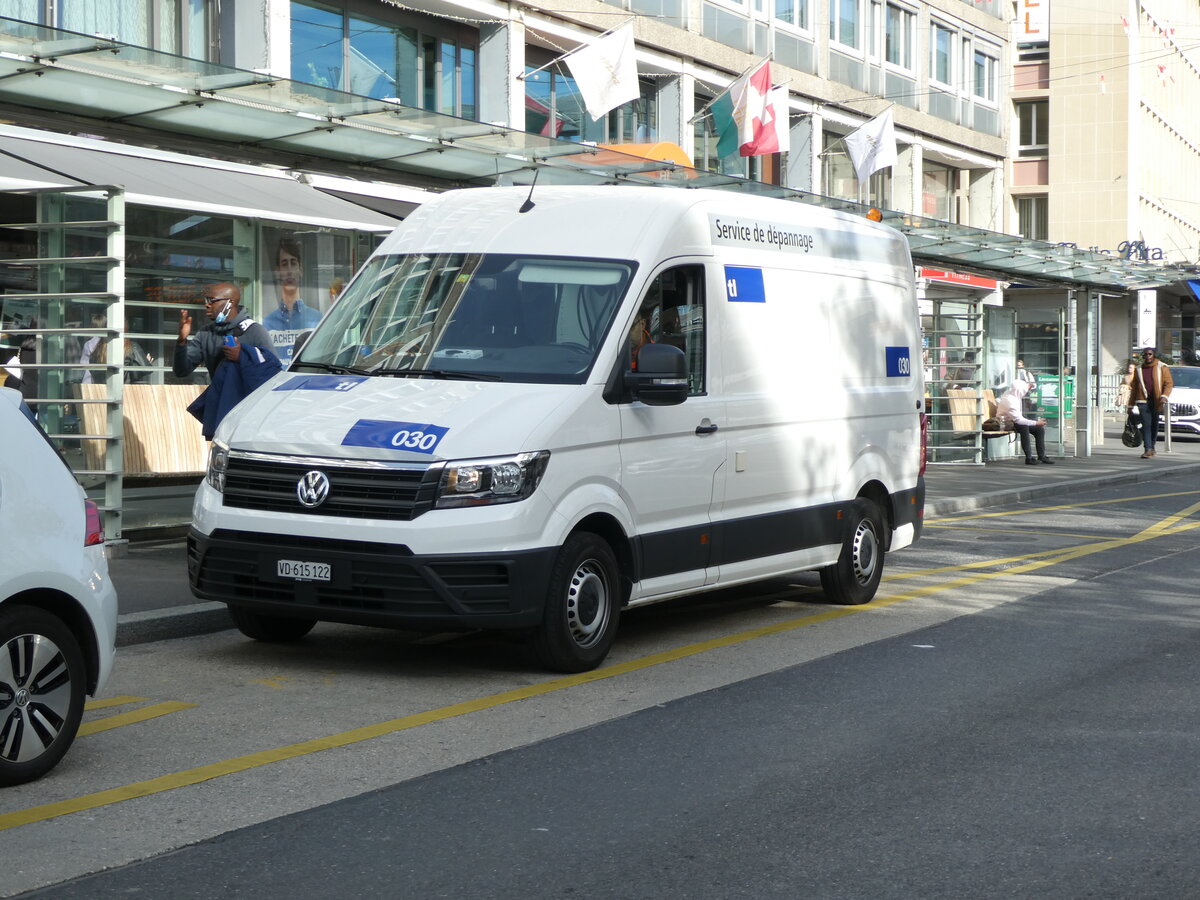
(964, 413)
(161, 437)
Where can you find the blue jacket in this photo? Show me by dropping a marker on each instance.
(231, 384)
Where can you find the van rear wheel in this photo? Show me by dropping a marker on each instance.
(582, 608)
(270, 629)
(854, 578)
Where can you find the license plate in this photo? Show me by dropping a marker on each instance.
(302, 571)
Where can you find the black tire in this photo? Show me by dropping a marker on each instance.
(42, 682)
(270, 629)
(854, 578)
(583, 606)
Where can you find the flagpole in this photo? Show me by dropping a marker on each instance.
(521, 76)
(705, 107)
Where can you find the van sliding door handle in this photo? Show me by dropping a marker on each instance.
(710, 428)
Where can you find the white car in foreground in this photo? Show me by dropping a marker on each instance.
(58, 608)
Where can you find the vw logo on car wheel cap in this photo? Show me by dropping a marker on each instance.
(313, 489)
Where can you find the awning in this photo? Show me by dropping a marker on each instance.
(177, 182)
(115, 84)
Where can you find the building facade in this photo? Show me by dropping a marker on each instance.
(1106, 154)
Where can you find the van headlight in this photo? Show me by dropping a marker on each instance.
(505, 479)
(218, 462)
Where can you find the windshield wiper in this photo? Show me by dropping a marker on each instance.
(329, 367)
(437, 373)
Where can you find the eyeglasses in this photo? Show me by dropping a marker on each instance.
(208, 300)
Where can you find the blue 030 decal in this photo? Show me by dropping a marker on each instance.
(898, 362)
(411, 436)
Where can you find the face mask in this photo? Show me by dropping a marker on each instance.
(224, 313)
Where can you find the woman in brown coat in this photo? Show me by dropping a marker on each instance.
(1148, 395)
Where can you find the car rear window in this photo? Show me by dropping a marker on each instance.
(29, 414)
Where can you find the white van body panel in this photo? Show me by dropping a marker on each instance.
(809, 396)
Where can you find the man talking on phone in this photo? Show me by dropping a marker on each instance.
(234, 348)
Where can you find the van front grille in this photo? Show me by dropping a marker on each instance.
(390, 492)
(368, 578)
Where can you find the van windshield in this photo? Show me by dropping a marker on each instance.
(493, 317)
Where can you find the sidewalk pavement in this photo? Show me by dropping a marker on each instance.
(156, 602)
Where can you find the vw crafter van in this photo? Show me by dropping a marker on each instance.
(530, 412)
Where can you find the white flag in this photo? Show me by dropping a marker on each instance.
(605, 72)
(872, 146)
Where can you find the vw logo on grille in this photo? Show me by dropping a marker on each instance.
(313, 489)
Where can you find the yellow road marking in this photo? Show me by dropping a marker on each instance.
(108, 702)
(273, 682)
(1061, 506)
(1026, 531)
(131, 718)
(1168, 526)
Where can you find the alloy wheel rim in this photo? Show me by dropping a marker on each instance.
(35, 696)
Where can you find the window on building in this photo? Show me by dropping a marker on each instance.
(635, 122)
(419, 63)
(986, 67)
(793, 12)
(183, 27)
(938, 189)
(1033, 117)
(555, 108)
(845, 23)
(899, 35)
(1033, 217)
(838, 178)
(669, 12)
(941, 48)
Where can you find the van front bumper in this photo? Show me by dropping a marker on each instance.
(370, 583)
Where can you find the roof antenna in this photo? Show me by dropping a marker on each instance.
(529, 204)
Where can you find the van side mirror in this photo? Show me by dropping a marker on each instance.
(661, 376)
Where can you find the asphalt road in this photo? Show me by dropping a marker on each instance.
(1016, 717)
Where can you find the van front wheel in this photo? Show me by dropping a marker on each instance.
(582, 608)
(854, 578)
(270, 629)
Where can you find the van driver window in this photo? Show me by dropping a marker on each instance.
(672, 312)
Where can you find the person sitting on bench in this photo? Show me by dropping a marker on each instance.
(1008, 411)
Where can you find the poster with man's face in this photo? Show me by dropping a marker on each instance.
(290, 303)
(302, 275)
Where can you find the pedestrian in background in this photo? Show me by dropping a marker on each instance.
(235, 349)
(1148, 396)
(1126, 387)
(1009, 411)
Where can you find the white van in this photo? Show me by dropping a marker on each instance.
(529, 411)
